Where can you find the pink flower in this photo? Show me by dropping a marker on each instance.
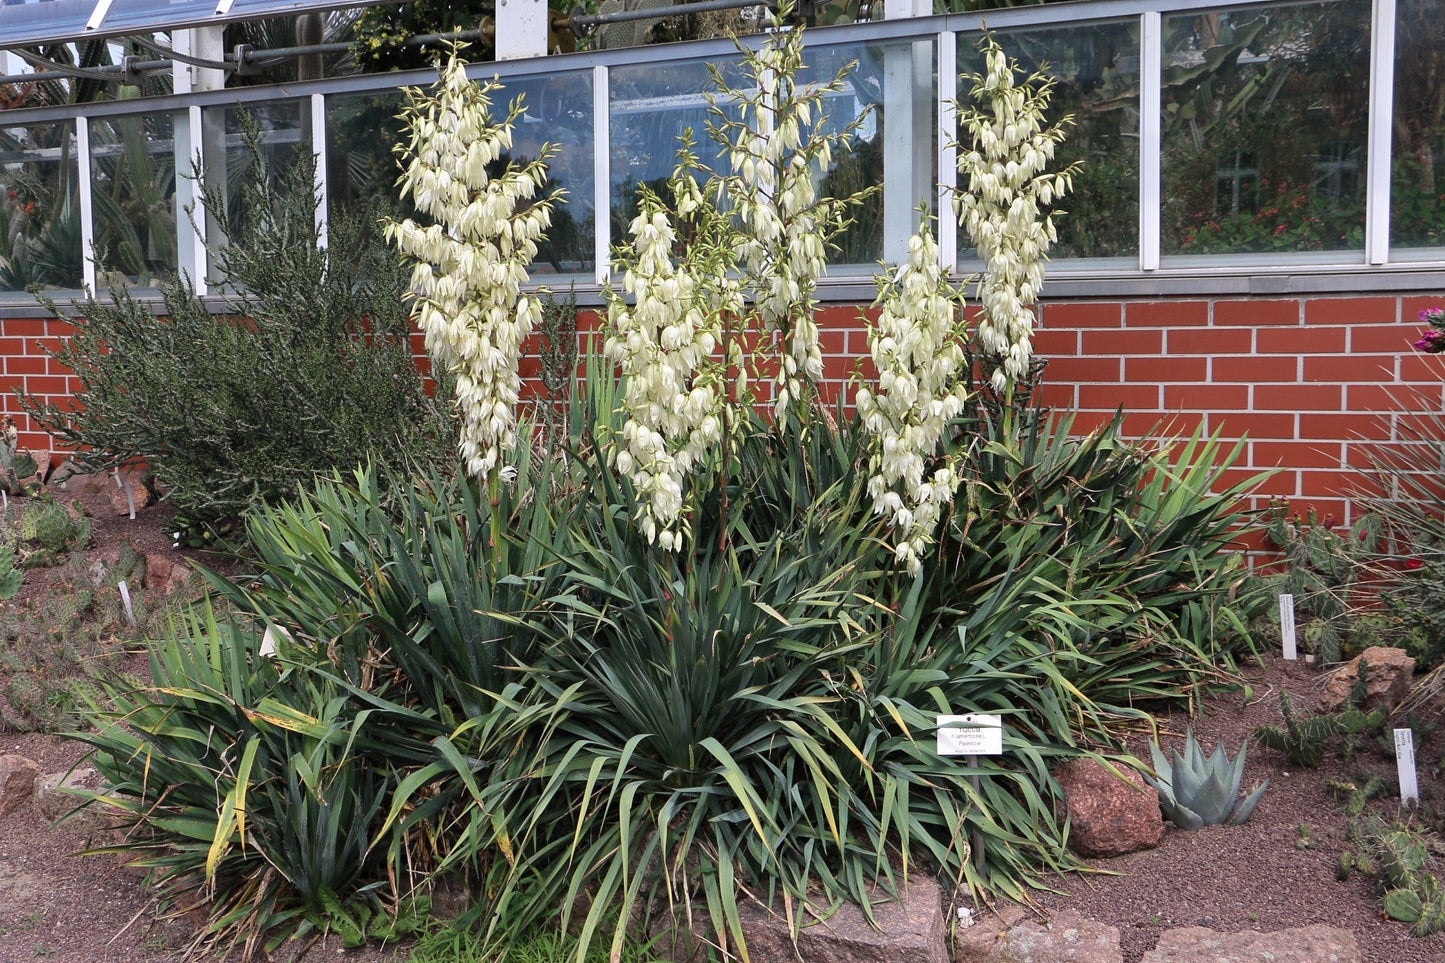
(1432, 342)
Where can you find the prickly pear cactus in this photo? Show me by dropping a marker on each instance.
(10, 576)
(19, 475)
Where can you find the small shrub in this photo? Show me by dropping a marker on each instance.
(312, 370)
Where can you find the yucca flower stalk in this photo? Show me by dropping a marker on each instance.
(674, 387)
(779, 147)
(1002, 207)
(917, 347)
(470, 262)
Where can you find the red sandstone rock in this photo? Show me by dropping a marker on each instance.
(1110, 813)
(1387, 680)
(17, 780)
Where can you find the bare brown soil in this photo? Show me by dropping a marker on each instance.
(1275, 872)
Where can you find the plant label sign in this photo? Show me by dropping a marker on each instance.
(1405, 761)
(1286, 626)
(975, 734)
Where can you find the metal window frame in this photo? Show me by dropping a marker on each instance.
(1341, 270)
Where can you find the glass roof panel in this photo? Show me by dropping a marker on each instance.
(136, 16)
(43, 21)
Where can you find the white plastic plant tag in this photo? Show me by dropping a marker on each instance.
(1286, 627)
(130, 501)
(1405, 761)
(125, 601)
(975, 734)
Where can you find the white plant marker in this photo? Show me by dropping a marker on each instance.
(1405, 763)
(125, 601)
(1286, 627)
(130, 501)
(972, 735)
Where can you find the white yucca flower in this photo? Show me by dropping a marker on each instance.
(1008, 185)
(917, 347)
(663, 341)
(779, 148)
(470, 263)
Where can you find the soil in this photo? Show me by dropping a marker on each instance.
(1278, 871)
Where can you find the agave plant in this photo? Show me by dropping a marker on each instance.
(1197, 791)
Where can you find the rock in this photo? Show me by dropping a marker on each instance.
(178, 580)
(158, 571)
(1110, 813)
(1309, 944)
(164, 575)
(1388, 681)
(130, 496)
(1067, 938)
(910, 930)
(54, 803)
(974, 942)
(42, 463)
(17, 782)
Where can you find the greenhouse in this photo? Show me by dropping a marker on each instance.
(1256, 221)
(1259, 138)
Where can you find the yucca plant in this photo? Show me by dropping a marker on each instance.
(1134, 535)
(708, 757)
(248, 785)
(1197, 791)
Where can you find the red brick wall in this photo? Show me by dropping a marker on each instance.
(24, 366)
(1308, 382)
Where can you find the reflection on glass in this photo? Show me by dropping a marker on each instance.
(650, 111)
(1417, 180)
(362, 131)
(133, 189)
(1095, 70)
(245, 143)
(559, 112)
(151, 15)
(362, 167)
(890, 88)
(36, 20)
(1264, 122)
(39, 208)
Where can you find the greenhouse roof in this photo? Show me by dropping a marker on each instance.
(31, 22)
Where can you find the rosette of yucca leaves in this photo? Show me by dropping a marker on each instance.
(246, 786)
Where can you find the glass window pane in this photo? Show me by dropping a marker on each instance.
(150, 15)
(1095, 70)
(559, 112)
(32, 21)
(362, 131)
(133, 190)
(280, 136)
(891, 87)
(1264, 123)
(40, 208)
(1417, 181)
(650, 109)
